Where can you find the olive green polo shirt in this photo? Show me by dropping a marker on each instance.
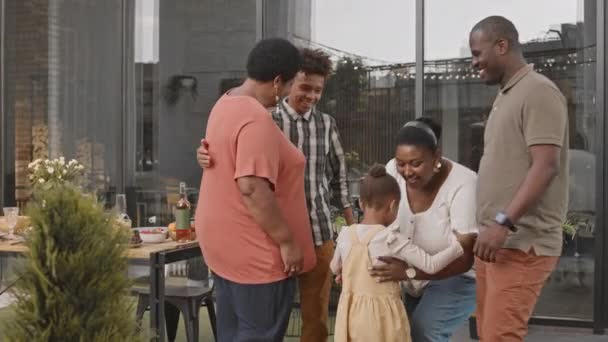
(529, 110)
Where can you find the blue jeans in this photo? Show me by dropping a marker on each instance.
(443, 307)
(253, 313)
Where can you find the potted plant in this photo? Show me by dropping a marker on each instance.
(578, 226)
(44, 171)
(73, 283)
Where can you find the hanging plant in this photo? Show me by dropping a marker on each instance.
(178, 85)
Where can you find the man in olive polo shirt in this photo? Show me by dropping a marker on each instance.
(522, 186)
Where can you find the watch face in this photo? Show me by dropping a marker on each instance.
(501, 218)
(410, 273)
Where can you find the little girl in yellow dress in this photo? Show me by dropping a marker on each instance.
(368, 310)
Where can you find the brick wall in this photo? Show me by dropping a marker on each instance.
(29, 52)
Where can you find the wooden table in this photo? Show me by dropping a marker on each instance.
(156, 256)
(139, 253)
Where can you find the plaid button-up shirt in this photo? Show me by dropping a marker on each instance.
(316, 135)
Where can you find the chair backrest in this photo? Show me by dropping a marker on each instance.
(197, 268)
(193, 269)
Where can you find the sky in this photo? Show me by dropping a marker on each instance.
(385, 29)
(146, 31)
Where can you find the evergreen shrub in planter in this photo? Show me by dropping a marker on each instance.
(74, 282)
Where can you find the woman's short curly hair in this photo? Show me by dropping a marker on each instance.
(315, 62)
(273, 57)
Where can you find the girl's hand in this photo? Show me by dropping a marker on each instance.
(338, 273)
(392, 270)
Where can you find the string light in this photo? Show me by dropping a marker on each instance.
(461, 70)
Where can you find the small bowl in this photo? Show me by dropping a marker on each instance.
(147, 236)
(153, 237)
(159, 229)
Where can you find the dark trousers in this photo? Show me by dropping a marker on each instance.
(253, 312)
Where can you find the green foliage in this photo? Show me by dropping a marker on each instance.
(352, 159)
(74, 281)
(344, 88)
(339, 221)
(576, 222)
(43, 171)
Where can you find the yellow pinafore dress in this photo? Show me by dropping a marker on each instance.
(368, 311)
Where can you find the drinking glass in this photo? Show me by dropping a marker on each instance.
(12, 215)
(121, 210)
(121, 203)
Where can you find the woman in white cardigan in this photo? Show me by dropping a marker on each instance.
(437, 197)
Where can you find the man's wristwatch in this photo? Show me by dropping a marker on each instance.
(410, 272)
(503, 220)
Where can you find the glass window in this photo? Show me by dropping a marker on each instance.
(62, 89)
(561, 45)
(202, 51)
(371, 93)
(186, 54)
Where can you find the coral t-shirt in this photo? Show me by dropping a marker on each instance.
(245, 141)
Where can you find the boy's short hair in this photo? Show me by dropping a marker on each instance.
(315, 62)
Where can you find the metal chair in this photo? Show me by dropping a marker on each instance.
(182, 297)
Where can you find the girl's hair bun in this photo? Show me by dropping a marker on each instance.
(377, 171)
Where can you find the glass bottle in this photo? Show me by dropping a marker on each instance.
(182, 216)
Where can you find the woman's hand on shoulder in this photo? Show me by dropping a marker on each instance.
(202, 155)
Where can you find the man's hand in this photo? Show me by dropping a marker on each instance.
(202, 155)
(292, 258)
(393, 270)
(490, 240)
